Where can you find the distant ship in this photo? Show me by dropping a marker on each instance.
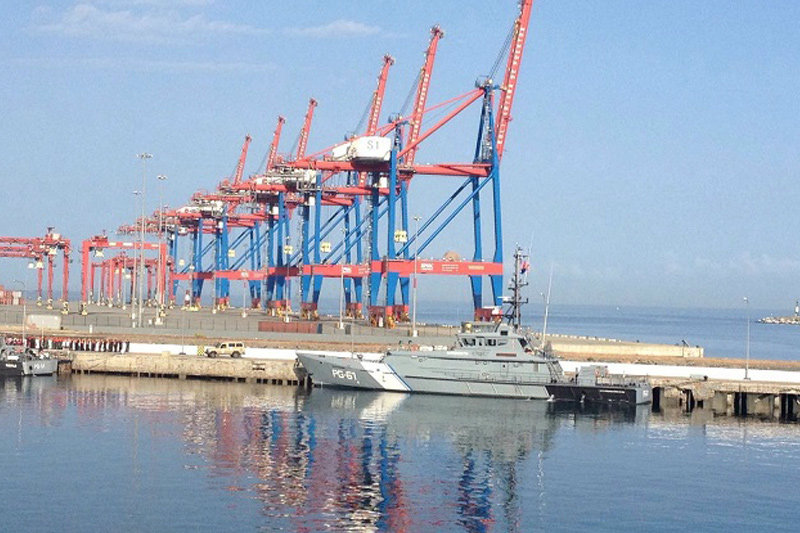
(492, 360)
(17, 362)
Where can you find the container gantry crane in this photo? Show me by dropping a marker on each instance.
(281, 191)
(392, 167)
(41, 251)
(111, 281)
(378, 167)
(97, 245)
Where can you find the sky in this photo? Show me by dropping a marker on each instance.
(652, 159)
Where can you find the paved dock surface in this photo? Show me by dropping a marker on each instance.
(207, 327)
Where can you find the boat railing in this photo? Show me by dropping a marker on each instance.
(536, 379)
(617, 380)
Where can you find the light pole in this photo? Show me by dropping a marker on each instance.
(417, 218)
(24, 312)
(144, 156)
(135, 271)
(161, 284)
(747, 346)
(244, 299)
(341, 282)
(341, 295)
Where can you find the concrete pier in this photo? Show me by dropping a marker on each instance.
(276, 372)
(765, 400)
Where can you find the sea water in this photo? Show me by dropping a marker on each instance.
(113, 453)
(721, 332)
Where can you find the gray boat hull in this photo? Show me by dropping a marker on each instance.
(28, 367)
(428, 373)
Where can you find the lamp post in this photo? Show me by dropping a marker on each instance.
(341, 282)
(135, 270)
(161, 283)
(244, 299)
(341, 295)
(747, 345)
(24, 312)
(144, 156)
(414, 282)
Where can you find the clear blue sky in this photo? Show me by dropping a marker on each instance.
(653, 158)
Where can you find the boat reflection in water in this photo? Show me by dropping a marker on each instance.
(285, 459)
(394, 462)
(166, 455)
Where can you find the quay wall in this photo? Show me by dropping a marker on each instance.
(574, 346)
(655, 372)
(768, 394)
(279, 372)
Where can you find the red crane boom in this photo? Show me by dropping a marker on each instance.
(377, 96)
(237, 178)
(509, 86)
(303, 142)
(422, 94)
(273, 147)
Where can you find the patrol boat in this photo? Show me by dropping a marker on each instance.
(25, 362)
(494, 360)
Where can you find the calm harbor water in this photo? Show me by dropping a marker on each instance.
(722, 332)
(88, 453)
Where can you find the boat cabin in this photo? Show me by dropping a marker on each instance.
(482, 335)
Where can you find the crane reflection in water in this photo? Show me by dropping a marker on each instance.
(339, 460)
(336, 460)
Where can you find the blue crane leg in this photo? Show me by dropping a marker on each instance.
(271, 225)
(318, 237)
(197, 261)
(476, 281)
(497, 279)
(280, 281)
(347, 256)
(404, 280)
(374, 277)
(305, 279)
(358, 282)
(391, 277)
(224, 291)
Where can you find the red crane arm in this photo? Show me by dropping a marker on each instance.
(273, 147)
(377, 96)
(237, 178)
(301, 145)
(422, 94)
(377, 103)
(512, 72)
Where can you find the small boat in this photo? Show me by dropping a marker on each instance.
(17, 362)
(494, 360)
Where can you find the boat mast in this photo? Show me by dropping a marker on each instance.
(547, 307)
(514, 313)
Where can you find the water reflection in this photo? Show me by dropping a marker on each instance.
(355, 461)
